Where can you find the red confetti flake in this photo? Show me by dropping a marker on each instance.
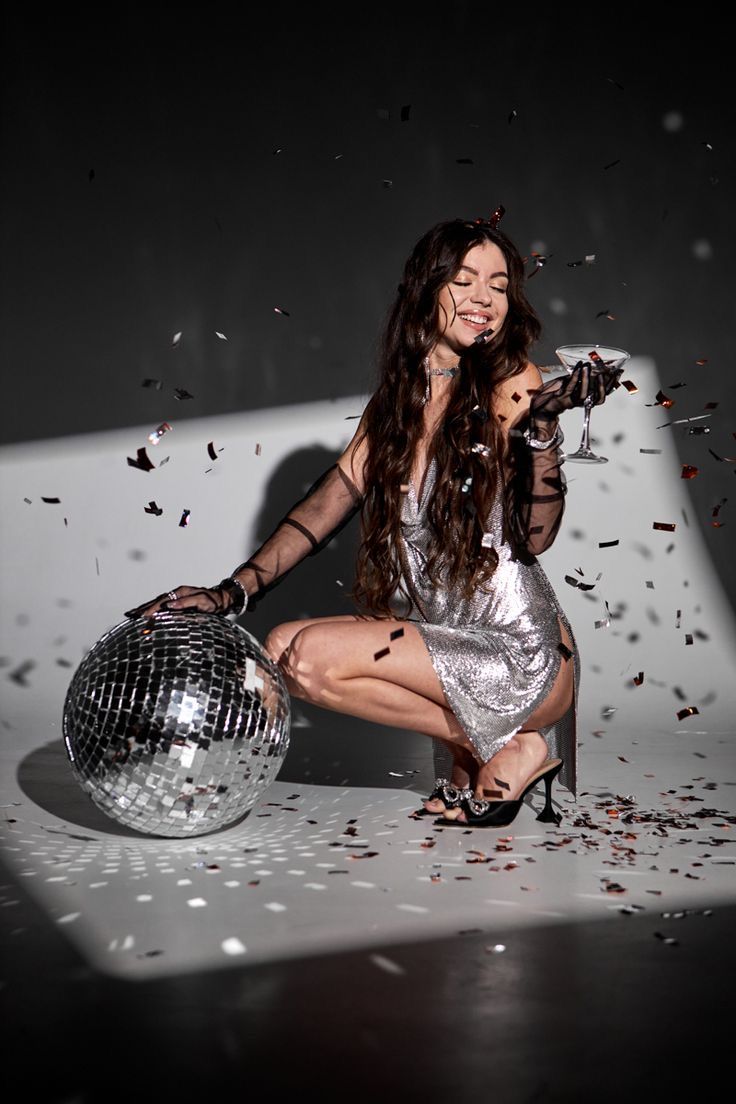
(703, 361)
(152, 508)
(666, 526)
(630, 386)
(184, 519)
(688, 711)
(142, 461)
(662, 400)
(688, 471)
(383, 652)
(639, 679)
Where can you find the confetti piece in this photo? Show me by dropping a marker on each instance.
(158, 433)
(611, 164)
(608, 544)
(211, 451)
(722, 459)
(606, 314)
(156, 384)
(688, 711)
(258, 450)
(405, 113)
(630, 386)
(665, 526)
(176, 339)
(220, 335)
(280, 310)
(387, 183)
(51, 501)
(576, 583)
(387, 965)
(497, 948)
(396, 634)
(463, 160)
(91, 174)
(688, 638)
(639, 679)
(152, 508)
(603, 624)
(184, 519)
(182, 394)
(142, 461)
(688, 471)
(383, 652)
(703, 361)
(651, 452)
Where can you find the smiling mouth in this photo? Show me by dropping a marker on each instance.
(475, 321)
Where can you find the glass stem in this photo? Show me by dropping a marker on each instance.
(585, 439)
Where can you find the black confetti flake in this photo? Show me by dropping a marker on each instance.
(405, 113)
(665, 526)
(142, 461)
(608, 544)
(19, 675)
(156, 384)
(211, 451)
(688, 711)
(464, 161)
(396, 634)
(184, 519)
(182, 394)
(611, 164)
(383, 652)
(52, 501)
(152, 508)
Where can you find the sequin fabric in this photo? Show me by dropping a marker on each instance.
(496, 654)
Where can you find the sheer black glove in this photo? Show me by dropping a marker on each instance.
(587, 383)
(226, 597)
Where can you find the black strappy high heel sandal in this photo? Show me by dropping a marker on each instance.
(450, 795)
(499, 814)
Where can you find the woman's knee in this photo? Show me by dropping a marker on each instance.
(279, 639)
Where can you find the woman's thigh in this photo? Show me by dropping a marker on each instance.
(559, 699)
(330, 650)
(280, 637)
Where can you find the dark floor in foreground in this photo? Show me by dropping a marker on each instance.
(592, 1011)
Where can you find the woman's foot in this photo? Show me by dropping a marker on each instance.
(504, 777)
(463, 776)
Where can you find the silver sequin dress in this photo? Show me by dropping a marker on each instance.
(496, 654)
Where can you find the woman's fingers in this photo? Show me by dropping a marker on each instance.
(180, 598)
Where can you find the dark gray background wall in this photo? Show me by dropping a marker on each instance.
(166, 172)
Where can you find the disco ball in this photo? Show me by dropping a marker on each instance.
(175, 724)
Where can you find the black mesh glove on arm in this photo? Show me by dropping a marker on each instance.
(309, 525)
(536, 484)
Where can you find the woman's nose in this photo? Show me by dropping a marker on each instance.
(481, 294)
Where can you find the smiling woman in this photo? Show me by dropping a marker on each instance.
(455, 469)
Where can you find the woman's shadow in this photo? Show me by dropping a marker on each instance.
(326, 748)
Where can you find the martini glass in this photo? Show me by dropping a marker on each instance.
(570, 356)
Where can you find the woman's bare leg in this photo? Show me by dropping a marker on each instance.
(504, 777)
(342, 664)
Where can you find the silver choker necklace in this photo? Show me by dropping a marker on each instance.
(450, 372)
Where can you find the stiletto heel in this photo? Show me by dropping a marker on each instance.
(548, 814)
(499, 814)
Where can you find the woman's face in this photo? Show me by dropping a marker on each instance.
(474, 301)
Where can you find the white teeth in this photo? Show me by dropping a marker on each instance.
(480, 319)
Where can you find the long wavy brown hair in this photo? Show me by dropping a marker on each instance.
(394, 423)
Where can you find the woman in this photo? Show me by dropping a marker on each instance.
(455, 469)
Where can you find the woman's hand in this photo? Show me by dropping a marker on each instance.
(586, 383)
(205, 599)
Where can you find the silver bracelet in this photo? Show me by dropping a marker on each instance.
(533, 442)
(237, 592)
